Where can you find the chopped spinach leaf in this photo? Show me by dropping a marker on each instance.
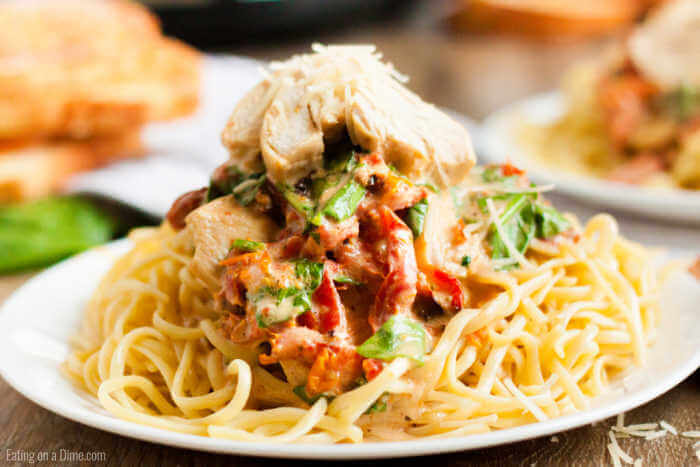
(310, 272)
(494, 174)
(549, 221)
(300, 391)
(346, 280)
(231, 180)
(298, 201)
(380, 405)
(247, 245)
(274, 306)
(399, 336)
(247, 190)
(523, 219)
(345, 201)
(416, 217)
(684, 102)
(516, 224)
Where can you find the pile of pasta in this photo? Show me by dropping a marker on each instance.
(555, 335)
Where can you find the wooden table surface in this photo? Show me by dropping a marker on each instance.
(473, 75)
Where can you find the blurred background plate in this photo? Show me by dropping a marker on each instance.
(498, 143)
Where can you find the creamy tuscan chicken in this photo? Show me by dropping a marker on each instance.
(337, 235)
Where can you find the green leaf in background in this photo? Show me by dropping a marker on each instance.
(41, 232)
(399, 336)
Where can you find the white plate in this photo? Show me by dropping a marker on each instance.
(499, 143)
(39, 318)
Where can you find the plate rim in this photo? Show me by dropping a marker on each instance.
(369, 450)
(499, 144)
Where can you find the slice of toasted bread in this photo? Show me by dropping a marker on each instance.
(88, 68)
(32, 169)
(545, 18)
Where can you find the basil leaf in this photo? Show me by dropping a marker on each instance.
(247, 245)
(300, 391)
(416, 217)
(549, 221)
(466, 261)
(399, 336)
(310, 272)
(41, 232)
(344, 202)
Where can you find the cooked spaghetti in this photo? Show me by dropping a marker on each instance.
(635, 117)
(343, 299)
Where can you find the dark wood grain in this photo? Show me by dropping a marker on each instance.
(473, 75)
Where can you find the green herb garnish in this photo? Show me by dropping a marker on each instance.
(466, 261)
(399, 336)
(380, 405)
(244, 187)
(523, 219)
(310, 272)
(415, 218)
(684, 102)
(345, 201)
(247, 245)
(495, 175)
(346, 280)
(298, 201)
(300, 391)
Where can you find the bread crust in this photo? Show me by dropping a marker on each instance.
(35, 168)
(89, 69)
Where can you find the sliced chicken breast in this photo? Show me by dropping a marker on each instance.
(214, 226)
(309, 100)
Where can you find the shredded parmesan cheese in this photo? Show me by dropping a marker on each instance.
(621, 454)
(668, 427)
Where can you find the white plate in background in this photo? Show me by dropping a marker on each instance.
(40, 317)
(498, 142)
